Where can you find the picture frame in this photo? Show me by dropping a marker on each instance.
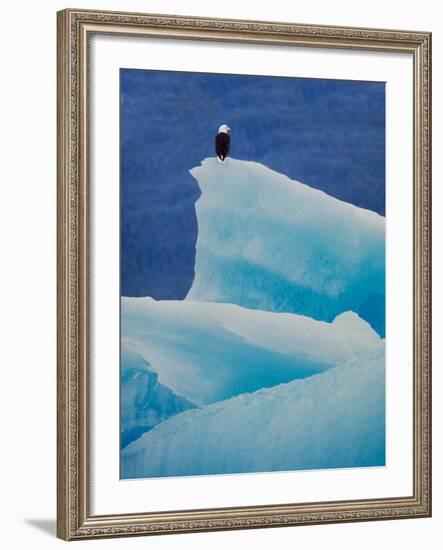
(77, 315)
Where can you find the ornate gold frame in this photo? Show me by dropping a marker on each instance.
(75, 28)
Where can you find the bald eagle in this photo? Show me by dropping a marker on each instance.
(222, 142)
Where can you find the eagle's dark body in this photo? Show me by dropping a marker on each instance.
(222, 145)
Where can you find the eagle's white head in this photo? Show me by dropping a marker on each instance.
(224, 129)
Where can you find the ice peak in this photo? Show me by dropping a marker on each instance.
(268, 242)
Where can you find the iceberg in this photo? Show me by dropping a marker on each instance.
(208, 352)
(271, 243)
(275, 359)
(333, 419)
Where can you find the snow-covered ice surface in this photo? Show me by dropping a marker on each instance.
(271, 243)
(333, 419)
(207, 352)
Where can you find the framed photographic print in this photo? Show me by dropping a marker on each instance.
(243, 274)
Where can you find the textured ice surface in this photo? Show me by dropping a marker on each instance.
(144, 401)
(333, 419)
(207, 352)
(267, 242)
